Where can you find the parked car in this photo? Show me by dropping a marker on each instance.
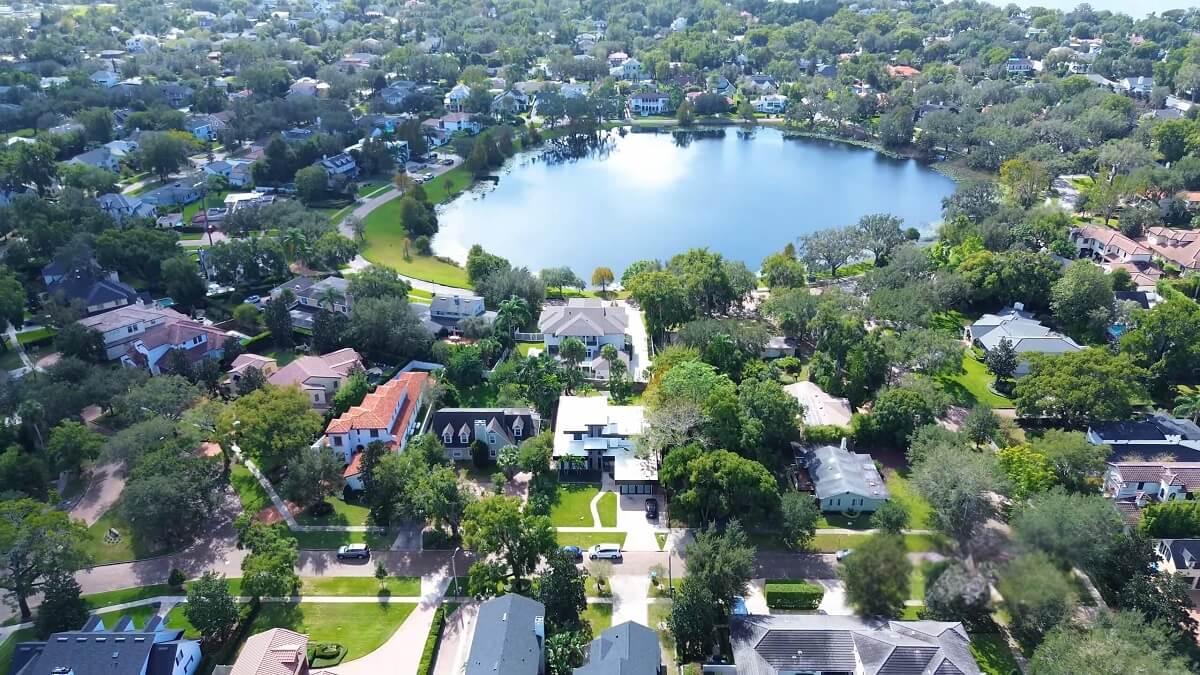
(739, 606)
(575, 552)
(447, 162)
(252, 300)
(605, 552)
(841, 555)
(652, 509)
(354, 551)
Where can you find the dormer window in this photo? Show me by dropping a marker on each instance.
(517, 427)
(448, 437)
(464, 436)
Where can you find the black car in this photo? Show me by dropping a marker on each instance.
(652, 509)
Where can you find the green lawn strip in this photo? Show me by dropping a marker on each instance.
(659, 590)
(176, 619)
(831, 520)
(251, 493)
(416, 292)
(586, 540)
(607, 508)
(599, 615)
(9, 647)
(830, 543)
(992, 654)
(344, 513)
(332, 540)
(573, 508)
(657, 615)
(360, 586)
(902, 493)
(36, 336)
(120, 597)
(911, 613)
(589, 587)
(523, 348)
(139, 614)
(971, 386)
(359, 627)
(191, 236)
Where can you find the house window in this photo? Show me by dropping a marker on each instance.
(517, 429)
(464, 436)
(337, 440)
(1141, 485)
(374, 433)
(447, 437)
(491, 438)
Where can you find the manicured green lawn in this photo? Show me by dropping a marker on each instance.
(971, 386)
(830, 520)
(599, 615)
(385, 246)
(10, 647)
(573, 508)
(110, 598)
(829, 543)
(992, 654)
(344, 513)
(658, 614)
(359, 627)
(282, 356)
(127, 548)
(332, 540)
(36, 335)
(252, 495)
(586, 540)
(140, 615)
(524, 347)
(919, 510)
(368, 187)
(214, 199)
(176, 619)
(10, 359)
(360, 586)
(479, 396)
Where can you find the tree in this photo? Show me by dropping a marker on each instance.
(723, 562)
(693, 620)
(329, 331)
(714, 486)
(30, 164)
(169, 495)
(481, 264)
(378, 282)
(350, 394)
(1111, 644)
(446, 500)
(252, 379)
(1162, 598)
(890, 517)
(897, 413)
(602, 277)
(1161, 341)
(1037, 595)
(685, 113)
(1077, 464)
(1028, 472)
(561, 591)
(62, 608)
(496, 527)
(959, 593)
(312, 476)
(311, 184)
(877, 576)
(1025, 181)
(1082, 299)
(981, 424)
(36, 542)
(278, 319)
(663, 299)
(162, 153)
(799, 516)
(879, 233)
(388, 329)
(831, 248)
(896, 127)
(210, 607)
(1002, 360)
(12, 299)
(782, 270)
(272, 425)
(81, 342)
(1078, 388)
(957, 483)
(70, 445)
(566, 651)
(1074, 529)
(269, 571)
(183, 281)
(560, 278)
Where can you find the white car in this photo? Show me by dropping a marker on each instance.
(841, 555)
(605, 552)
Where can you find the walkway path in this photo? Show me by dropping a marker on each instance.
(597, 522)
(630, 598)
(14, 343)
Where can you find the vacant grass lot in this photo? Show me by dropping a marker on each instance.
(919, 510)
(252, 495)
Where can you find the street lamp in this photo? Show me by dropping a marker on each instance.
(454, 569)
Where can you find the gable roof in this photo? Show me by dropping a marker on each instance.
(507, 637)
(836, 471)
(375, 412)
(501, 421)
(625, 649)
(335, 365)
(1025, 333)
(278, 651)
(122, 650)
(582, 317)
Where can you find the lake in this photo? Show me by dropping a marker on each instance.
(651, 195)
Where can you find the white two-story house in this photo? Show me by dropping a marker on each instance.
(593, 322)
(388, 415)
(592, 435)
(1180, 556)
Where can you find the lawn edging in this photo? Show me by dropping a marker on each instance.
(432, 642)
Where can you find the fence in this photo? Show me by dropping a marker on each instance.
(528, 337)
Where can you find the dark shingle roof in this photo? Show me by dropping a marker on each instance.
(625, 649)
(507, 637)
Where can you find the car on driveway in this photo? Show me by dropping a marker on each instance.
(575, 552)
(652, 509)
(739, 606)
(841, 555)
(252, 300)
(605, 552)
(353, 552)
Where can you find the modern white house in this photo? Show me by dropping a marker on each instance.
(844, 481)
(593, 435)
(388, 415)
(593, 322)
(456, 97)
(1180, 556)
(1025, 334)
(649, 103)
(1143, 482)
(770, 104)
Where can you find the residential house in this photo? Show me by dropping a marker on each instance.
(141, 43)
(122, 207)
(778, 346)
(759, 84)
(1105, 245)
(457, 97)
(820, 408)
(308, 87)
(442, 128)
(104, 78)
(182, 192)
(679, 25)
(902, 71)
(176, 95)
(125, 649)
(624, 649)
(788, 644)
(296, 134)
(617, 58)
(100, 158)
(1139, 86)
(356, 62)
(310, 296)
(593, 322)
(460, 428)
(629, 69)
(1017, 65)
(203, 127)
(1179, 556)
(388, 415)
(237, 172)
(1155, 436)
(770, 104)
(140, 335)
(509, 637)
(649, 103)
(1025, 334)
(575, 89)
(395, 93)
(93, 288)
(1181, 247)
(236, 201)
(340, 168)
(510, 102)
(844, 481)
(826, 70)
(318, 377)
(1134, 483)
(444, 312)
(277, 651)
(592, 434)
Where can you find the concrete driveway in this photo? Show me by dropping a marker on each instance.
(631, 517)
(402, 651)
(456, 640)
(640, 339)
(631, 598)
(834, 602)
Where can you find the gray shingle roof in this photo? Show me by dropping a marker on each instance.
(583, 317)
(625, 649)
(508, 637)
(835, 471)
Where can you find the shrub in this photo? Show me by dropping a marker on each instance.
(176, 578)
(325, 654)
(825, 434)
(785, 594)
(431, 643)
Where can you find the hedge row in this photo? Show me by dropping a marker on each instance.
(783, 594)
(432, 642)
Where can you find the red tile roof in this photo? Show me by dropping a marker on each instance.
(355, 465)
(398, 396)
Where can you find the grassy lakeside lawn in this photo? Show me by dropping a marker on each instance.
(992, 654)
(574, 507)
(971, 386)
(586, 540)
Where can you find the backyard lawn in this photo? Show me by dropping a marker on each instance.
(599, 615)
(573, 508)
(586, 540)
(282, 356)
(359, 627)
(344, 513)
(524, 347)
(971, 386)
(903, 494)
(992, 654)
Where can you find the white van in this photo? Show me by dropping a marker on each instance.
(605, 552)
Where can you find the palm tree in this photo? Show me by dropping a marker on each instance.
(572, 351)
(1187, 404)
(294, 241)
(329, 296)
(512, 315)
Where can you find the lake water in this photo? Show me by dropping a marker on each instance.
(650, 195)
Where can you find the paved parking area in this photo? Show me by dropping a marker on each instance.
(631, 517)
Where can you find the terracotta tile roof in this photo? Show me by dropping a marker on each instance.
(334, 365)
(355, 465)
(1108, 237)
(377, 408)
(278, 651)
